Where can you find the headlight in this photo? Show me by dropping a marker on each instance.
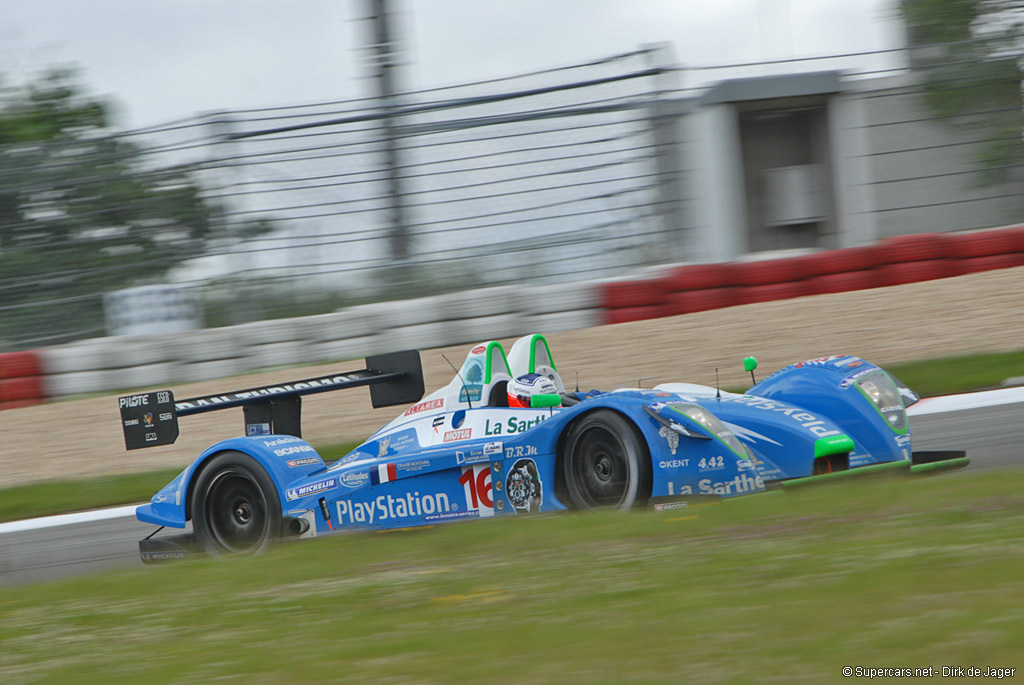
(713, 425)
(878, 387)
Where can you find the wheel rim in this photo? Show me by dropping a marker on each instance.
(236, 512)
(600, 469)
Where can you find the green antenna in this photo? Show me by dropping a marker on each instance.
(749, 364)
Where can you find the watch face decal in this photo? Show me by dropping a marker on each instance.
(523, 486)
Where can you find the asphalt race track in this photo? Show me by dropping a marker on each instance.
(991, 435)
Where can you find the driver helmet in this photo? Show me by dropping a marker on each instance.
(521, 389)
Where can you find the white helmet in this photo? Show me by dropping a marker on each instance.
(521, 390)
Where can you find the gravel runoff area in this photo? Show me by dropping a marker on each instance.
(974, 313)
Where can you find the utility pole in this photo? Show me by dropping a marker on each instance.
(385, 52)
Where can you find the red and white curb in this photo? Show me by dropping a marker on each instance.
(930, 405)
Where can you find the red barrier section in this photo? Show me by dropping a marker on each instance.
(840, 261)
(987, 243)
(921, 247)
(632, 294)
(700, 300)
(771, 292)
(18, 364)
(27, 388)
(699, 277)
(768, 271)
(989, 262)
(843, 282)
(911, 272)
(21, 380)
(627, 314)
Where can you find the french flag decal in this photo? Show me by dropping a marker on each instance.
(385, 473)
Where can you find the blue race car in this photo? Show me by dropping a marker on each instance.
(463, 452)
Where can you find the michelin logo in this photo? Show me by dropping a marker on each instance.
(311, 488)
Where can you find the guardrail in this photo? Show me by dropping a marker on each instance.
(106, 364)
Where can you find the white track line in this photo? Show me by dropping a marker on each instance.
(930, 405)
(67, 519)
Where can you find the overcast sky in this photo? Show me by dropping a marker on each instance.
(162, 60)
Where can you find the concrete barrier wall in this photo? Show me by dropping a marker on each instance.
(129, 362)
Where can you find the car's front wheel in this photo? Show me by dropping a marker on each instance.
(235, 508)
(605, 463)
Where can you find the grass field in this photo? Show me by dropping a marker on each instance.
(788, 587)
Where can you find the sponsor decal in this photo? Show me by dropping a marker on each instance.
(387, 508)
(902, 440)
(671, 437)
(849, 380)
(742, 483)
(852, 362)
(523, 486)
(456, 435)
(296, 449)
(150, 437)
(257, 429)
(454, 515)
(821, 361)
(166, 416)
(674, 464)
(412, 466)
(281, 441)
(163, 397)
(425, 406)
(355, 456)
(479, 349)
(471, 393)
(383, 448)
(520, 451)
(355, 479)
(134, 401)
(513, 425)
(163, 556)
(305, 461)
(711, 464)
(438, 422)
(131, 422)
(471, 457)
(491, 448)
(148, 418)
(803, 417)
(213, 400)
(311, 488)
(668, 506)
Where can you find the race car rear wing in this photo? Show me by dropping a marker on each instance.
(151, 419)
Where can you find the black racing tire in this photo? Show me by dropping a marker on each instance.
(605, 463)
(235, 506)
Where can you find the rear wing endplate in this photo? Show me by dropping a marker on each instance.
(151, 419)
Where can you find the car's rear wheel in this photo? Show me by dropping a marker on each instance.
(605, 463)
(235, 508)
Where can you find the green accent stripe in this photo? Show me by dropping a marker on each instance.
(487, 362)
(860, 471)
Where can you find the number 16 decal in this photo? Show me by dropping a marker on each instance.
(476, 479)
